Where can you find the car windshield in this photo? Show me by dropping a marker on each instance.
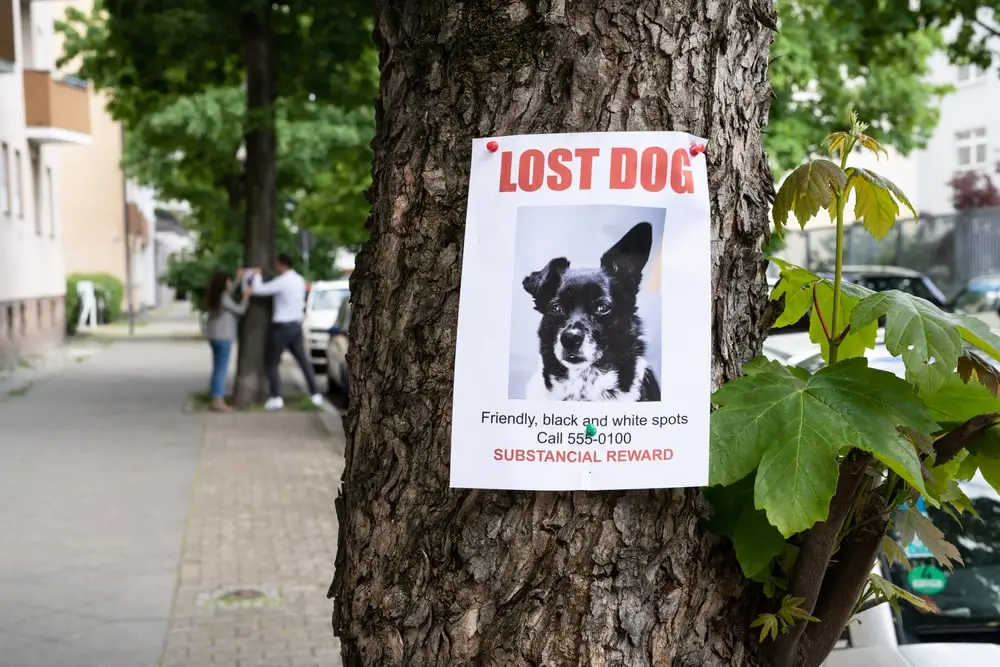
(328, 299)
(968, 597)
(976, 292)
(344, 315)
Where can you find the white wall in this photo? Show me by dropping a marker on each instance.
(972, 106)
(144, 263)
(31, 263)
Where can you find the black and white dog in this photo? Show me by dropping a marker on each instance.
(590, 334)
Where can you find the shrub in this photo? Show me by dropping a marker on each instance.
(107, 287)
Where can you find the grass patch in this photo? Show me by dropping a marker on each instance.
(200, 401)
(20, 391)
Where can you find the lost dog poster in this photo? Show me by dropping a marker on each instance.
(584, 330)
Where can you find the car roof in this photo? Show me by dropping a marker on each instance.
(331, 284)
(894, 271)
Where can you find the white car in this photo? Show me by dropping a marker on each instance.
(966, 631)
(322, 305)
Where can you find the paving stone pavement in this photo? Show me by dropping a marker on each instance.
(259, 547)
(133, 534)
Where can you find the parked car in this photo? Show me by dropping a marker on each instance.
(980, 295)
(881, 279)
(336, 356)
(322, 305)
(967, 627)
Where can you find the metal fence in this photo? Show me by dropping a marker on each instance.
(951, 249)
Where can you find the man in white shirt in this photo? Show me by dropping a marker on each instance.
(288, 289)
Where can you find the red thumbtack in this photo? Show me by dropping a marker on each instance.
(697, 149)
(492, 146)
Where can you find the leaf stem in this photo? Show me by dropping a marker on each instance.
(838, 271)
(819, 313)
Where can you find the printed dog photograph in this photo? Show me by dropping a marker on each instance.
(587, 304)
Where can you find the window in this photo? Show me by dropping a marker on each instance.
(969, 73)
(972, 148)
(51, 202)
(36, 189)
(18, 186)
(4, 180)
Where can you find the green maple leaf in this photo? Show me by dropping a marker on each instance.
(929, 340)
(811, 187)
(954, 401)
(976, 332)
(910, 523)
(894, 553)
(890, 592)
(858, 340)
(796, 286)
(755, 541)
(875, 200)
(916, 330)
(990, 468)
(768, 624)
(791, 426)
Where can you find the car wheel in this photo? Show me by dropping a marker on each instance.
(336, 392)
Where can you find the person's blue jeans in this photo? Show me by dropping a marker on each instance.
(220, 366)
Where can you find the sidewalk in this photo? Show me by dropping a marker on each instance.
(259, 548)
(135, 534)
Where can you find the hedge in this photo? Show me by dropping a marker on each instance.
(108, 287)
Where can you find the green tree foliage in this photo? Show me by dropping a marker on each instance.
(831, 57)
(186, 144)
(171, 67)
(812, 471)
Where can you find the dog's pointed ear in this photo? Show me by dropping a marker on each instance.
(542, 285)
(626, 259)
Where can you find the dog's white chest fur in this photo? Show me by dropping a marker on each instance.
(587, 384)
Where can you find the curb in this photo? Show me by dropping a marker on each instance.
(331, 418)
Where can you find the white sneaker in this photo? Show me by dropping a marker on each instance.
(274, 403)
(317, 400)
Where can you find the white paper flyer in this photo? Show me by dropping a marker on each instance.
(584, 329)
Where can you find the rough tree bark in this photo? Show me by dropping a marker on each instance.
(430, 576)
(261, 178)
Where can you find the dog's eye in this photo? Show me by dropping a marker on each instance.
(603, 308)
(555, 309)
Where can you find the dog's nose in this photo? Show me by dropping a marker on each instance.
(571, 339)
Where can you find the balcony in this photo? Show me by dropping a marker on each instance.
(56, 110)
(7, 53)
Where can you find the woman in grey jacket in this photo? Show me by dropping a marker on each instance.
(220, 330)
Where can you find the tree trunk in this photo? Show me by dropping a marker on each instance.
(431, 576)
(261, 172)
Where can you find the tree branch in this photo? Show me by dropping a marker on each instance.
(951, 443)
(842, 587)
(772, 311)
(816, 552)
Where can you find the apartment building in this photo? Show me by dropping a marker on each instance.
(43, 117)
(967, 137)
(99, 223)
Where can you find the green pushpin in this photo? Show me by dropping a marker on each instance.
(591, 430)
